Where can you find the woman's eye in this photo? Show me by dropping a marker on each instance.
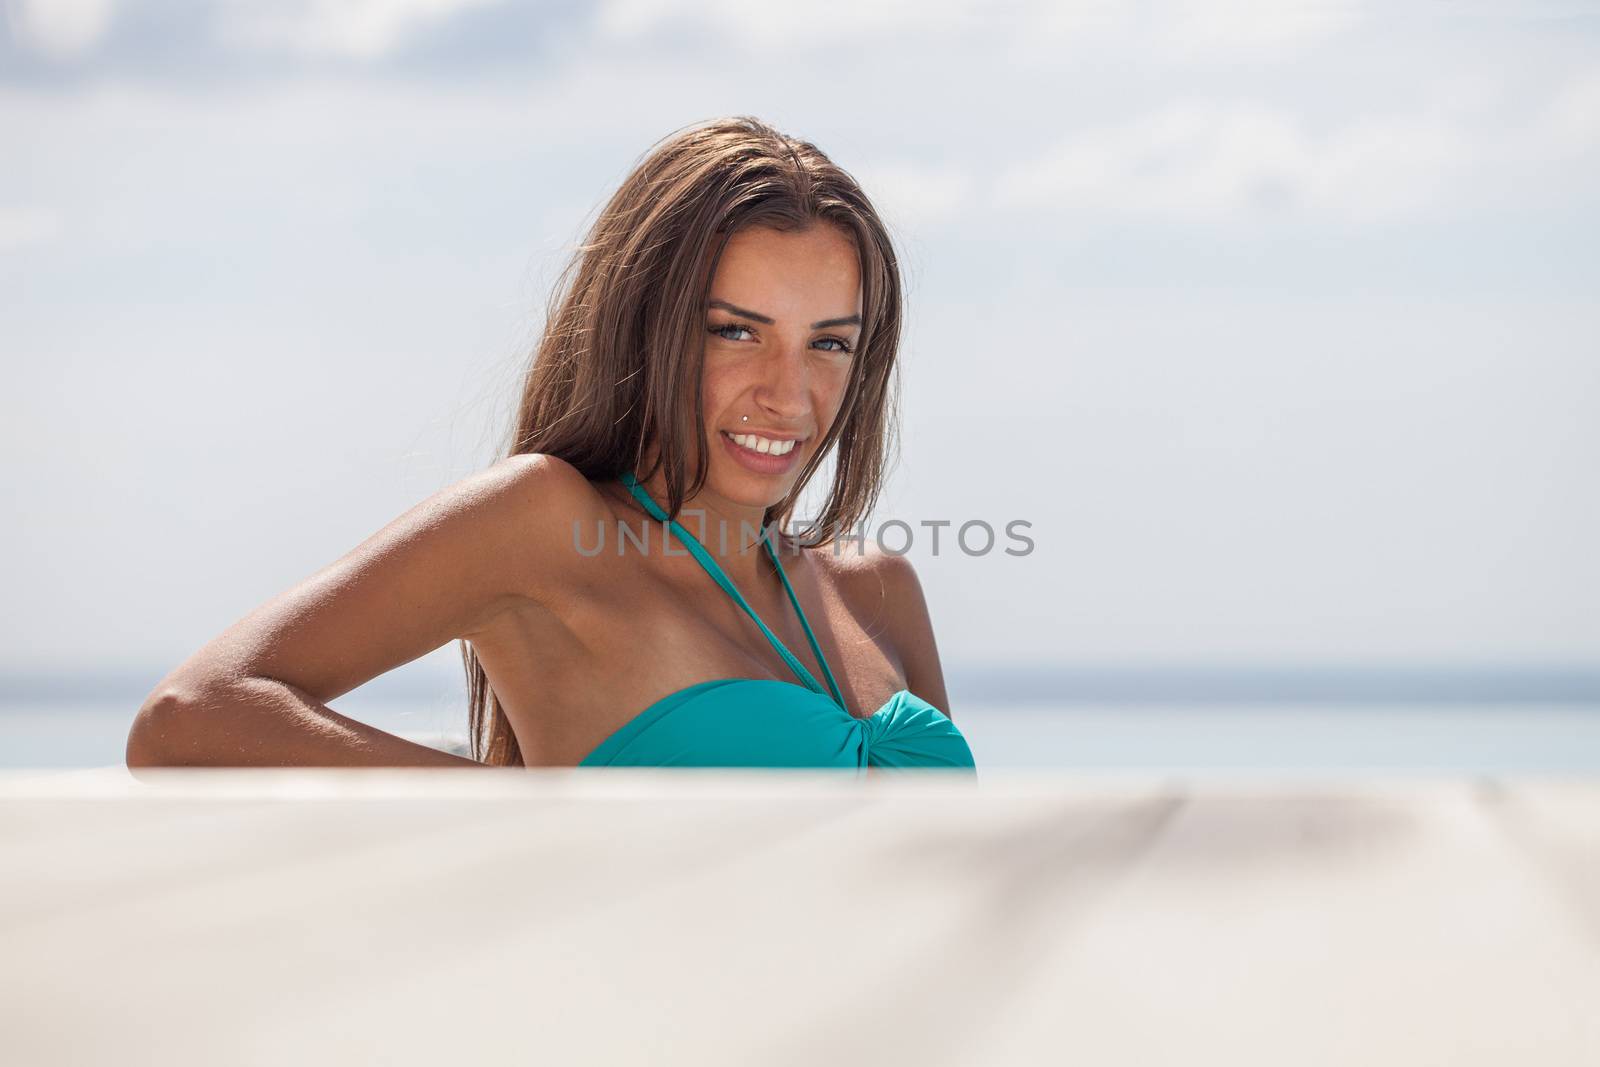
(728, 331)
(722, 331)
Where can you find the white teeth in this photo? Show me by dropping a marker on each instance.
(763, 444)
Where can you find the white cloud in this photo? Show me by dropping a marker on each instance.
(1201, 29)
(1204, 159)
(357, 29)
(1178, 29)
(768, 25)
(1388, 168)
(1186, 159)
(911, 194)
(1571, 123)
(60, 29)
(20, 227)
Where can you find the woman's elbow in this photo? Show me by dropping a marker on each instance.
(153, 739)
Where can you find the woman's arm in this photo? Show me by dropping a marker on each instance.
(262, 722)
(256, 694)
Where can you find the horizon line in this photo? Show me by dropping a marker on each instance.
(1154, 681)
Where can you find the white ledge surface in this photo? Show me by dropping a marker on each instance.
(478, 916)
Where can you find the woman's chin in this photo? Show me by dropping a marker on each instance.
(752, 492)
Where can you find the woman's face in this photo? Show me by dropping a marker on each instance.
(782, 326)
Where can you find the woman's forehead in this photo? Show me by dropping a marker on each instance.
(781, 275)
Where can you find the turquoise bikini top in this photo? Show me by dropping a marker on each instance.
(765, 722)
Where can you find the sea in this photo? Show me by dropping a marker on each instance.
(1194, 720)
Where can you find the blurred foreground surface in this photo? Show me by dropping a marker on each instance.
(265, 917)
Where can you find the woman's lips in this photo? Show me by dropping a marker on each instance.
(760, 462)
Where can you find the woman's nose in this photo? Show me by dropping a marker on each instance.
(785, 386)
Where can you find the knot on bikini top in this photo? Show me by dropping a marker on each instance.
(910, 732)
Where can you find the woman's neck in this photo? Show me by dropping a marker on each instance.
(730, 532)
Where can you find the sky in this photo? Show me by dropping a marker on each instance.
(1277, 322)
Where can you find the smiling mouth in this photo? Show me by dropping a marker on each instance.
(765, 446)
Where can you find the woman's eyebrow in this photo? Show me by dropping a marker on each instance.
(847, 320)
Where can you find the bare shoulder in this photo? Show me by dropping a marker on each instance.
(544, 492)
(885, 593)
(868, 577)
(522, 509)
(503, 521)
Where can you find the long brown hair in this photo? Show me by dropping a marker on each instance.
(619, 363)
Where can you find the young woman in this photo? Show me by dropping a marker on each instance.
(730, 322)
